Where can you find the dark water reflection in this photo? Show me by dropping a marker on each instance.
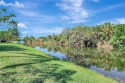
(109, 63)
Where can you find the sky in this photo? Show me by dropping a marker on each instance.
(45, 17)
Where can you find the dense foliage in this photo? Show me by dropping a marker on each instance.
(32, 41)
(83, 36)
(29, 40)
(8, 27)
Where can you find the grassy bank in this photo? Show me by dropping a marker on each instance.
(21, 64)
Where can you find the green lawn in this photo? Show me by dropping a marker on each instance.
(21, 64)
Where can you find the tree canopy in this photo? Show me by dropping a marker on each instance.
(8, 27)
(85, 36)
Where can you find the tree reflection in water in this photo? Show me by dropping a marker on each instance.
(87, 57)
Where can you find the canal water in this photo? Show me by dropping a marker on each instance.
(110, 63)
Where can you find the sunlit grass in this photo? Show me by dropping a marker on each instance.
(21, 64)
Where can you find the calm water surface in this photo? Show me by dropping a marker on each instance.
(109, 63)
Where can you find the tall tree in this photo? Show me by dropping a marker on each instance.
(6, 21)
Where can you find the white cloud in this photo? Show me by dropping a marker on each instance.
(38, 30)
(31, 5)
(120, 20)
(37, 17)
(114, 21)
(109, 7)
(22, 25)
(16, 4)
(96, 1)
(55, 30)
(74, 10)
(29, 13)
(77, 21)
(25, 32)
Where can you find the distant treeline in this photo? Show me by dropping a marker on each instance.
(32, 41)
(105, 35)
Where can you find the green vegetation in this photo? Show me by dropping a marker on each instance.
(118, 39)
(84, 36)
(29, 41)
(32, 41)
(21, 64)
(8, 27)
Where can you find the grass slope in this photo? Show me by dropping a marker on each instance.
(21, 64)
